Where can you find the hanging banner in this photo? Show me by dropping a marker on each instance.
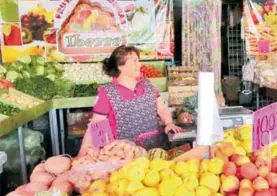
(264, 126)
(260, 26)
(86, 30)
(201, 38)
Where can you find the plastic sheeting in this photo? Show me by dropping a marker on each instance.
(32, 146)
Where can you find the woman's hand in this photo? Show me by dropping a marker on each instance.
(172, 127)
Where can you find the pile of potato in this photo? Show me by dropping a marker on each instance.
(114, 151)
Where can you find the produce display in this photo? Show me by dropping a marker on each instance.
(260, 24)
(29, 66)
(48, 176)
(115, 151)
(21, 100)
(85, 72)
(86, 90)
(121, 168)
(231, 172)
(150, 72)
(4, 84)
(8, 110)
(65, 174)
(45, 88)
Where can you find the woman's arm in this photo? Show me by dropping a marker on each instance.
(87, 140)
(163, 111)
(101, 110)
(166, 117)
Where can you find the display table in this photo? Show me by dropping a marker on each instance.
(22, 118)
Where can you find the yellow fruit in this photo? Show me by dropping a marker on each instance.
(245, 132)
(143, 162)
(240, 150)
(231, 140)
(117, 175)
(98, 186)
(190, 182)
(202, 190)
(216, 166)
(182, 191)
(134, 186)
(196, 175)
(86, 193)
(159, 164)
(125, 168)
(165, 173)
(274, 150)
(210, 181)
(152, 178)
(218, 194)
(135, 173)
(109, 188)
(181, 168)
(100, 194)
(168, 186)
(146, 191)
(247, 145)
(193, 165)
(204, 166)
(120, 186)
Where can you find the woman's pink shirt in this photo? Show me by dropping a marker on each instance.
(103, 105)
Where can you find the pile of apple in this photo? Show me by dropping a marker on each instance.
(247, 175)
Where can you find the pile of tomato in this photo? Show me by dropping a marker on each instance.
(150, 72)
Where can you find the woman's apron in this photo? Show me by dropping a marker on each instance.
(136, 119)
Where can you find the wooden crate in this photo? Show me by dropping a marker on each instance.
(182, 75)
(177, 94)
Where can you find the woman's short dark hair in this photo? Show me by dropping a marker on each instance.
(118, 58)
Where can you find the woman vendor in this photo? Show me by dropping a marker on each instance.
(131, 103)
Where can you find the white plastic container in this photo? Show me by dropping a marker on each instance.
(3, 159)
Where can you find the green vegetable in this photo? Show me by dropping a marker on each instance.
(38, 70)
(24, 59)
(37, 86)
(64, 87)
(51, 77)
(8, 110)
(37, 60)
(12, 76)
(26, 74)
(86, 90)
(3, 70)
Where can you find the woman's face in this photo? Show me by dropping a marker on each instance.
(131, 67)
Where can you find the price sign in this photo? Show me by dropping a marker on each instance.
(101, 133)
(263, 46)
(264, 126)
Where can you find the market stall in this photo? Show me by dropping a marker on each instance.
(259, 24)
(44, 69)
(51, 52)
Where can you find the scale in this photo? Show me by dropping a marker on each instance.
(230, 117)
